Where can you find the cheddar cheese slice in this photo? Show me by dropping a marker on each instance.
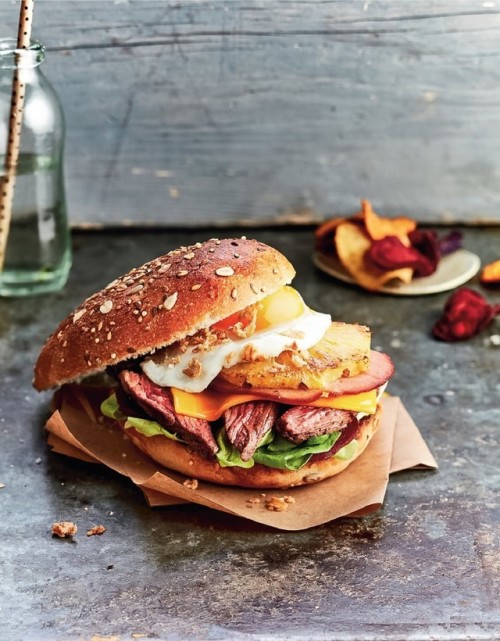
(211, 405)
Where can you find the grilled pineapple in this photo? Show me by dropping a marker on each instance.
(344, 350)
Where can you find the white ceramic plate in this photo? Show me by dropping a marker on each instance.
(453, 270)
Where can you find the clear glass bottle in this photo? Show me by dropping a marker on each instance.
(38, 253)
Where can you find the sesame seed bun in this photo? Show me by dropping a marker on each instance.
(177, 456)
(161, 302)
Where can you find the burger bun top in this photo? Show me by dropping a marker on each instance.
(159, 303)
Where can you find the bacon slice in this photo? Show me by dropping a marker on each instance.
(380, 371)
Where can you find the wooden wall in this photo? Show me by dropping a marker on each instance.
(194, 111)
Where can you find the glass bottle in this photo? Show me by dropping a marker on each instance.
(38, 252)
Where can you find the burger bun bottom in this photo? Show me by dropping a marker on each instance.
(178, 457)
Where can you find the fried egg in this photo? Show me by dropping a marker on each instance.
(283, 322)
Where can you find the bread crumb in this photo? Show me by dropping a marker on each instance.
(64, 529)
(279, 503)
(254, 500)
(97, 529)
(191, 484)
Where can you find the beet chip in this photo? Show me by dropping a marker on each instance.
(465, 314)
(426, 243)
(390, 253)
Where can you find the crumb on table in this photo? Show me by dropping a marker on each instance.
(96, 530)
(64, 529)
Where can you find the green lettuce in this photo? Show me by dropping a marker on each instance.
(111, 409)
(273, 450)
(283, 454)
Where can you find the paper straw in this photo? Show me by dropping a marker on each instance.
(8, 181)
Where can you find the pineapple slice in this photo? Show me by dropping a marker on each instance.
(344, 350)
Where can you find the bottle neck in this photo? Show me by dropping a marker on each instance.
(13, 58)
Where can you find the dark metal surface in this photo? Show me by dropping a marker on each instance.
(425, 566)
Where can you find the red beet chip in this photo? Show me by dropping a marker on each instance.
(426, 243)
(465, 314)
(389, 253)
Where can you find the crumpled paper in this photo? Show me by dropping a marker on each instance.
(77, 429)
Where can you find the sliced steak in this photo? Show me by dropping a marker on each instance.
(246, 425)
(157, 402)
(302, 422)
(346, 436)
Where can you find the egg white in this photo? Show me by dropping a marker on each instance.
(305, 331)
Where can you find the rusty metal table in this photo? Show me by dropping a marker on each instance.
(425, 566)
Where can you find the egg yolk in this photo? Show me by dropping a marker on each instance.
(282, 306)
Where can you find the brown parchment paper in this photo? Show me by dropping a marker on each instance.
(77, 429)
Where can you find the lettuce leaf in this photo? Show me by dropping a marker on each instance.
(285, 455)
(111, 409)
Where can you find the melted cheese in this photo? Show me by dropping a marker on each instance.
(211, 405)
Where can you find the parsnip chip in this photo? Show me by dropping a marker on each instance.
(379, 227)
(352, 244)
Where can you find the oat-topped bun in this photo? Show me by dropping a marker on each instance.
(152, 306)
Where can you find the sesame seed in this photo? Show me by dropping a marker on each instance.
(106, 307)
(170, 301)
(234, 293)
(109, 336)
(182, 272)
(99, 327)
(62, 360)
(113, 355)
(136, 289)
(78, 315)
(224, 271)
(254, 288)
(197, 245)
(236, 255)
(135, 312)
(194, 288)
(164, 268)
(275, 270)
(189, 256)
(144, 313)
(139, 319)
(97, 340)
(211, 250)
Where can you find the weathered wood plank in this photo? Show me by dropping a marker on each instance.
(202, 112)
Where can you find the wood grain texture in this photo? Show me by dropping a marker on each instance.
(269, 111)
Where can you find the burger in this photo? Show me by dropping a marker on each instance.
(219, 370)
